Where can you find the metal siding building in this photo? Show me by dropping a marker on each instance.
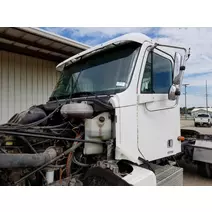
(24, 81)
(28, 77)
(197, 111)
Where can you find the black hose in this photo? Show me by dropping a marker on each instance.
(27, 142)
(42, 120)
(19, 126)
(56, 166)
(2, 150)
(52, 127)
(107, 106)
(42, 142)
(47, 136)
(26, 160)
(79, 163)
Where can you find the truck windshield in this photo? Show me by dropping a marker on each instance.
(107, 72)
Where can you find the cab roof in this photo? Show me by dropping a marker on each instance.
(134, 37)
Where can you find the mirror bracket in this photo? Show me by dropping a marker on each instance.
(182, 68)
(177, 92)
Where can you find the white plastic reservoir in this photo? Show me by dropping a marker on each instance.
(50, 176)
(97, 129)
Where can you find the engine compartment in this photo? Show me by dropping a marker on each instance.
(60, 143)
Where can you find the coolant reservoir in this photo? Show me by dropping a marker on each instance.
(97, 129)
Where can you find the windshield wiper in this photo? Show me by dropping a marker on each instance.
(74, 95)
(85, 94)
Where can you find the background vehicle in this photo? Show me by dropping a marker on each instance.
(202, 120)
(197, 149)
(112, 119)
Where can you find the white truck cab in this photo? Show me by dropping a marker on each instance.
(144, 83)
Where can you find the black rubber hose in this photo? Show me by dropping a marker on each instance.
(48, 136)
(79, 163)
(26, 160)
(20, 126)
(27, 142)
(104, 104)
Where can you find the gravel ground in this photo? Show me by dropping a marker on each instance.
(191, 178)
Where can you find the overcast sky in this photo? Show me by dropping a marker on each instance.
(199, 66)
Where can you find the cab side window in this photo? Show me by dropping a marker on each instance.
(157, 77)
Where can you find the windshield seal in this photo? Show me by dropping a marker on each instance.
(117, 69)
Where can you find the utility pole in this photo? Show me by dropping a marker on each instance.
(185, 85)
(206, 95)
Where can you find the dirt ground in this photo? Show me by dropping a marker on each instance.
(191, 178)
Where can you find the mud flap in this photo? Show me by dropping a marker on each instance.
(204, 169)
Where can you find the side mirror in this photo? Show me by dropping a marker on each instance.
(174, 91)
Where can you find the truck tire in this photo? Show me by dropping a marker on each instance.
(195, 125)
(204, 169)
(98, 176)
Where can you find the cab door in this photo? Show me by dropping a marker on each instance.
(158, 117)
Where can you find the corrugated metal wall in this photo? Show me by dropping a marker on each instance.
(24, 81)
